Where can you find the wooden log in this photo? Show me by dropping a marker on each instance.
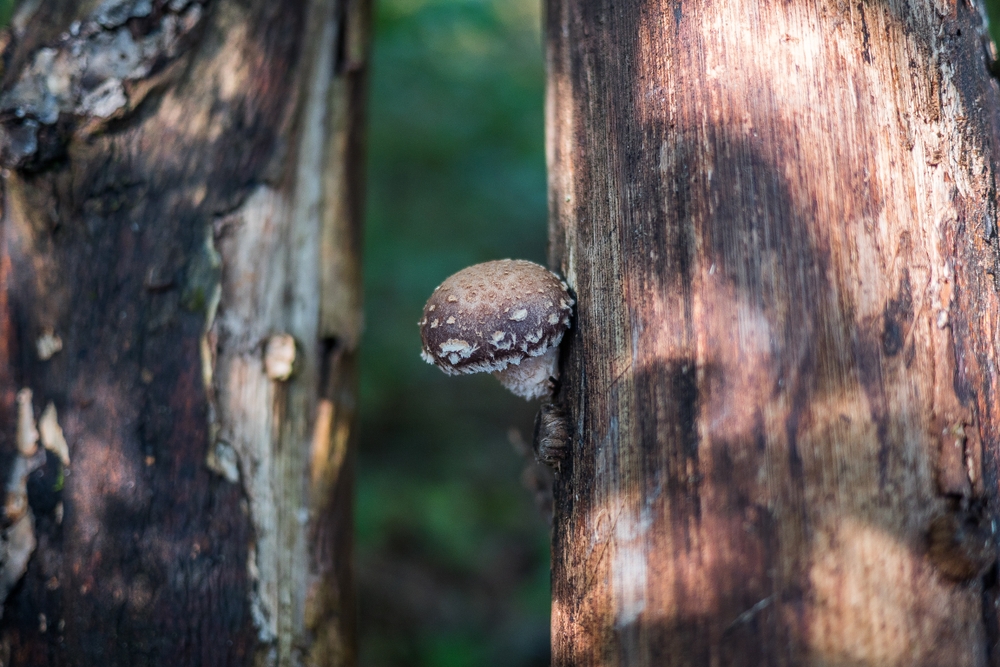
(179, 292)
(779, 220)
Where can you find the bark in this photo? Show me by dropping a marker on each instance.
(179, 318)
(779, 220)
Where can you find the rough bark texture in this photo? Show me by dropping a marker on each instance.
(779, 220)
(181, 195)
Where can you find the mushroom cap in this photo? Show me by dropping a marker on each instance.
(491, 315)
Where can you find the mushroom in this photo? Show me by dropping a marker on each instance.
(506, 317)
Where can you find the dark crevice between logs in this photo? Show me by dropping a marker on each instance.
(330, 351)
(991, 620)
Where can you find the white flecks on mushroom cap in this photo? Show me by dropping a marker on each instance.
(495, 315)
(455, 349)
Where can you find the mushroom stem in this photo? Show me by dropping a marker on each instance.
(532, 378)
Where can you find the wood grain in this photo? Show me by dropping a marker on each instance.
(779, 220)
(205, 514)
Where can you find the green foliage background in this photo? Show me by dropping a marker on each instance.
(452, 556)
(993, 10)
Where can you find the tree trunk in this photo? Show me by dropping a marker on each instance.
(181, 203)
(780, 221)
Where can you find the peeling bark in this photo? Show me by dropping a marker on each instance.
(779, 220)
(182, 184)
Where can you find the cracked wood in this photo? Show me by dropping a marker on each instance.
(779, 221)
(151, 146)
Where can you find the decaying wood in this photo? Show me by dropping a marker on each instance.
(181, 187)
(780, 223)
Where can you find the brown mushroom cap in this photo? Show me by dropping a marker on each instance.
(494, 314)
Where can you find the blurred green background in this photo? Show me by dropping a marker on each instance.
(452, 555)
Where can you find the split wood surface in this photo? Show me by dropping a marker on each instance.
(179, 279)
(780, 223)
